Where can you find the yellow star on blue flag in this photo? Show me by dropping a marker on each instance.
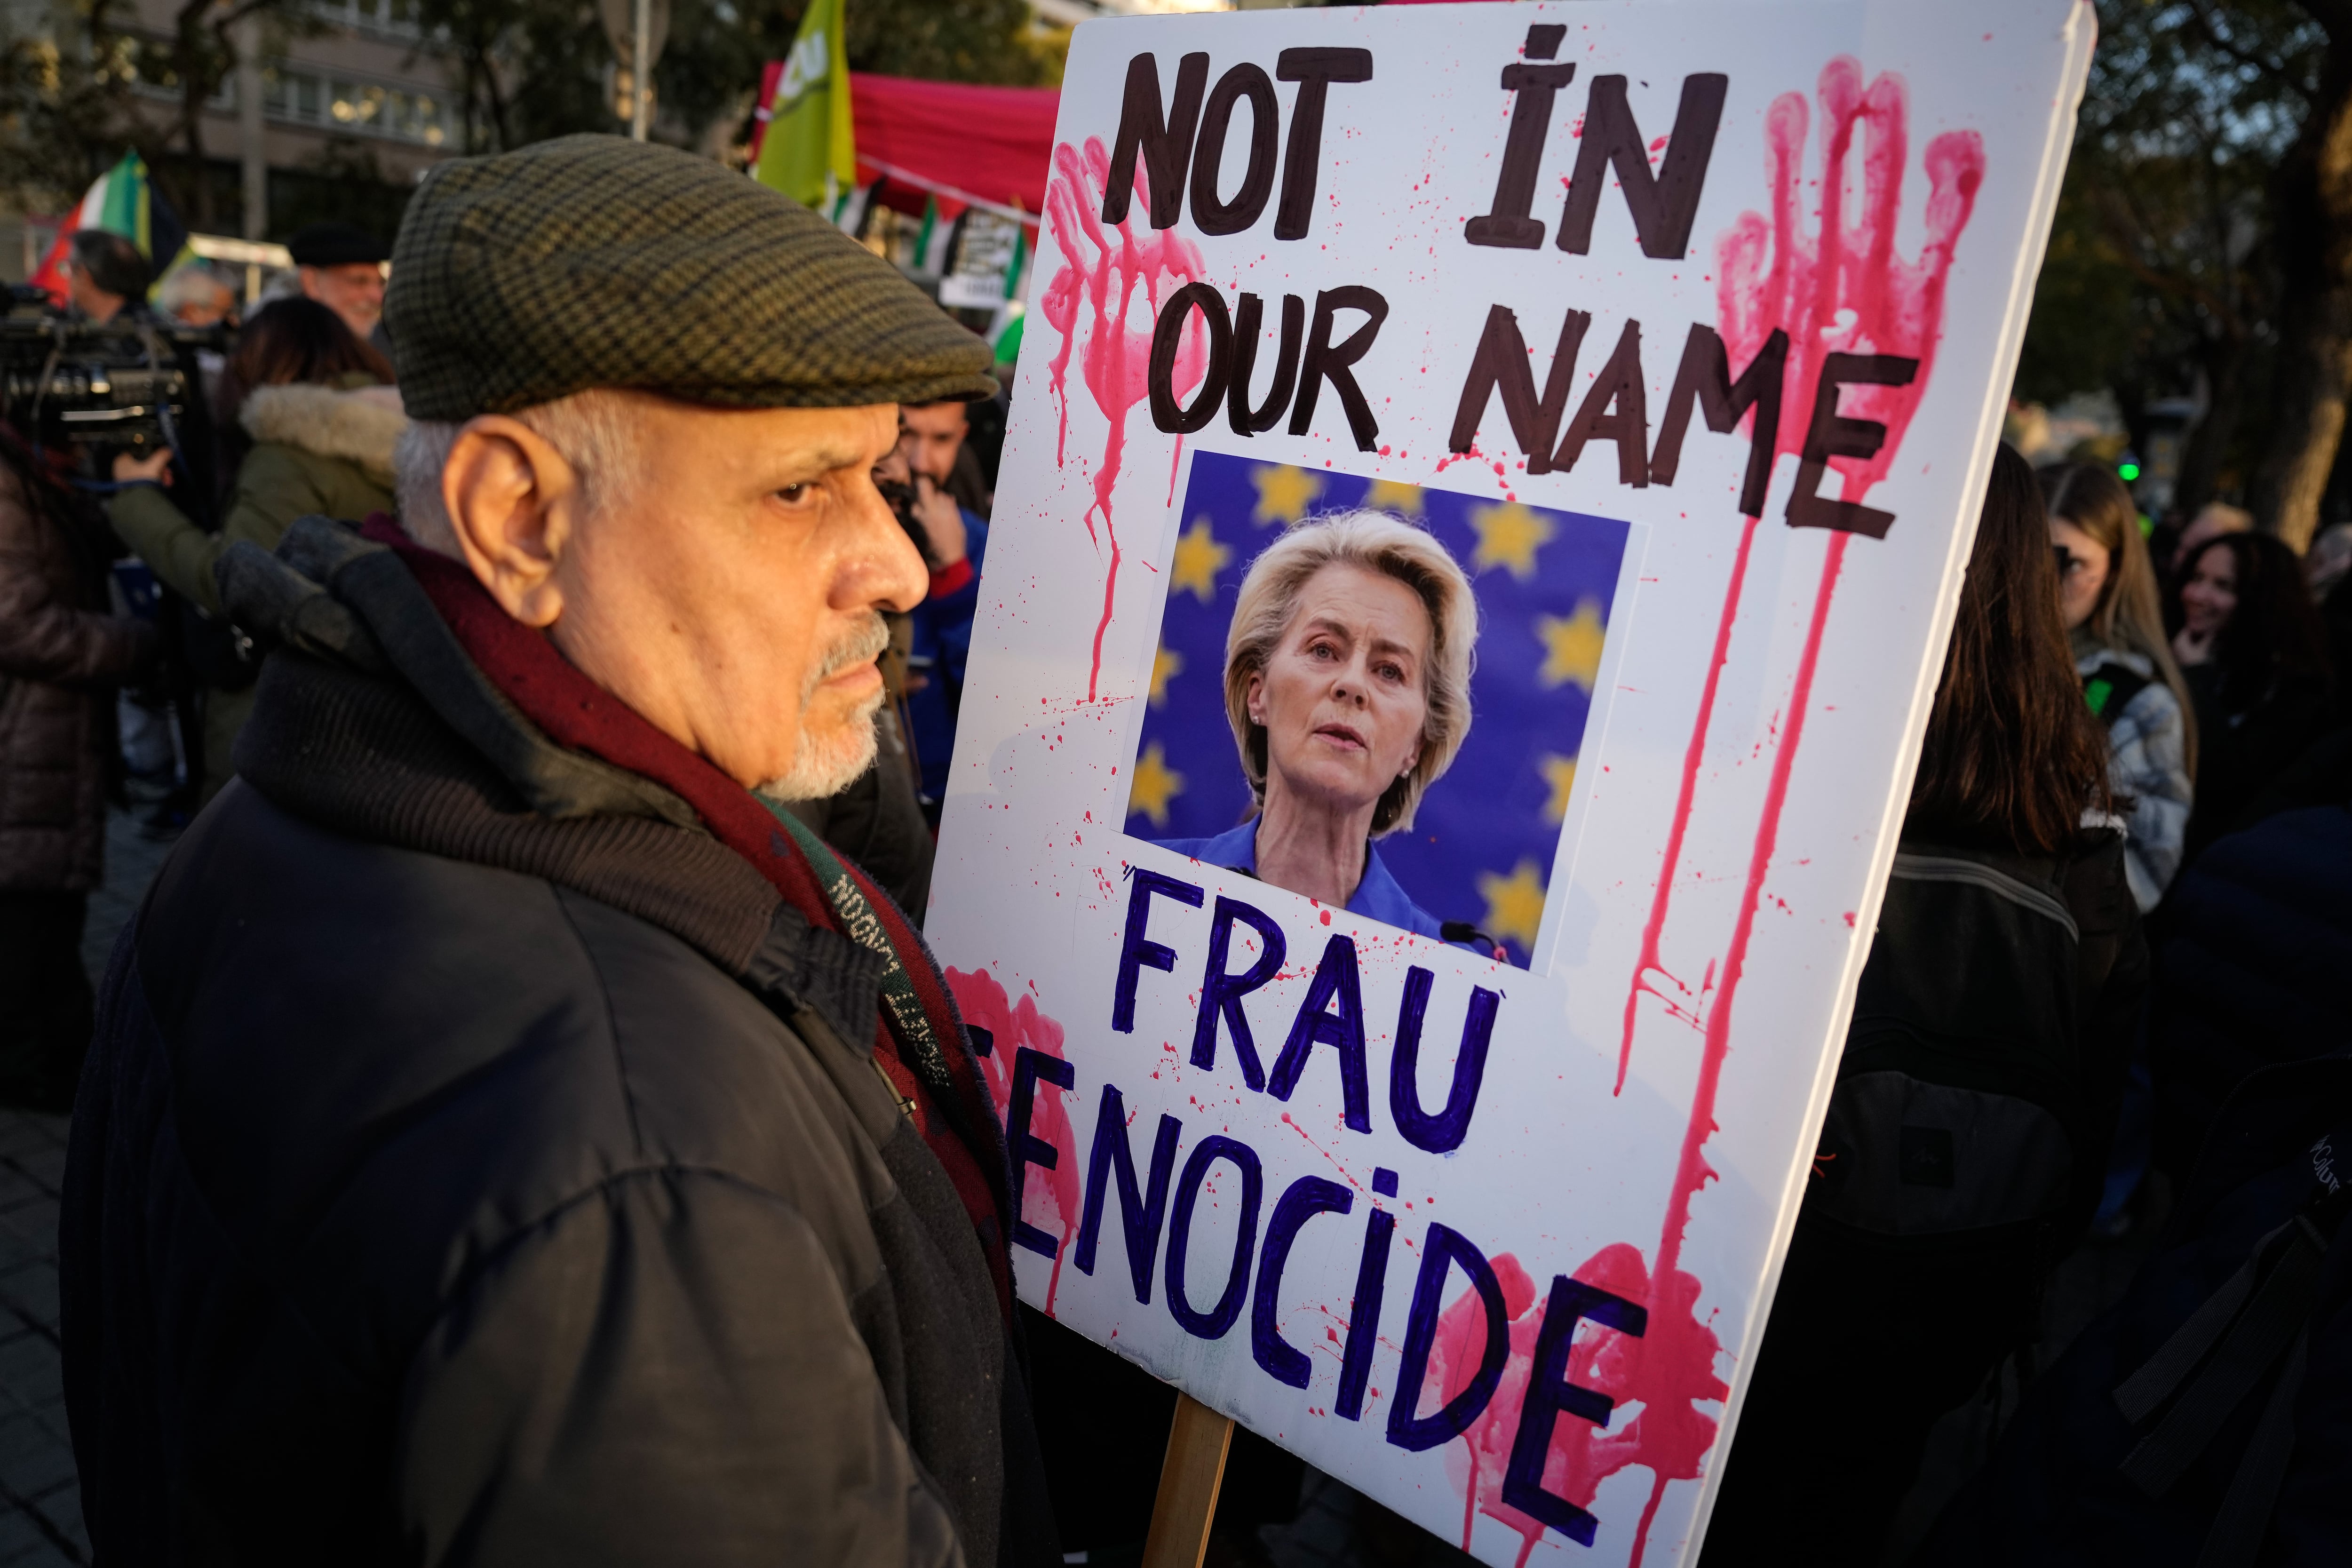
(1284, 494)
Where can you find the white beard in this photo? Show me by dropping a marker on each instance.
(824, 764)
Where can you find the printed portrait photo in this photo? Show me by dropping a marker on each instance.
(1376, 689)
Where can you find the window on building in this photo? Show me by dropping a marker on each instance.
(360, 107)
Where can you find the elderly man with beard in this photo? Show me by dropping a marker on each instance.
(511, 1138)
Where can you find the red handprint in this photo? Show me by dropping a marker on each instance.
(1103, 269)
(1843, 289)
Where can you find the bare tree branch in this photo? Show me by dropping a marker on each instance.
(2274, 71)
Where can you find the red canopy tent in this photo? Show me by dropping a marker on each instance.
(959, 145)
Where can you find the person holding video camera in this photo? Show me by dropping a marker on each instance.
(105, 275)
(62, 653)
(314, 399)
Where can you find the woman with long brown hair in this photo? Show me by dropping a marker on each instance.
(321, 417)
(2115, 626)
(1967, 1136)
(2254, 652)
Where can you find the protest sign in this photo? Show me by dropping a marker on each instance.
(1668, 343)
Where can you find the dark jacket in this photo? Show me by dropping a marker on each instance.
(317, 451)
(2254, 967)
(480, 1163)
(62, 653)
(2069, 1484)
(1962, 1153)
(2240, 751)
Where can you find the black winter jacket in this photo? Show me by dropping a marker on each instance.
(1962, 1153)
(2255, 944)
(479, 1163)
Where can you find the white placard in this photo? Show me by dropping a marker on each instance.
(1699, 726)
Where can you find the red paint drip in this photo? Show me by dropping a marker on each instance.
(1118, 356)
(1049, 1199)
(1844, 290)
(1647, 963)
(1692, 1171)
(1669, 1372)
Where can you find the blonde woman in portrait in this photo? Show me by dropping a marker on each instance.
(1348, 687)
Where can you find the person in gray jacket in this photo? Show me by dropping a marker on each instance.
(511, 1136)
(2107, 597)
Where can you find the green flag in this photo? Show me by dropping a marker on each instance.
(810, 153)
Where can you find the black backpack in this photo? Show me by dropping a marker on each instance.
(1976, 1094)
(1963, 1149)
(2207, 1420)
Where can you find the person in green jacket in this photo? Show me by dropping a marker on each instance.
(313, 407)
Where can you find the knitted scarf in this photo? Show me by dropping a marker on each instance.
(919, 1042)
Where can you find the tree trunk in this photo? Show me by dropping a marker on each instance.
(2208, 445)
(2312, 205)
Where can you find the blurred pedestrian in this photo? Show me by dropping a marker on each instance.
(196, 296)
(2115, 622)
(2254, 657)
(62, 654)
(2213, 520)
(318, 420)
(936, 440)
(1966, 1135)
(953, 540)
(105, 275)
(342, 267)
(511, 1136)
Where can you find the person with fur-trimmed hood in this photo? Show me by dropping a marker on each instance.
(311, 406)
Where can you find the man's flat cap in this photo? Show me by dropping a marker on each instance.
(593, 262)
(334, 244)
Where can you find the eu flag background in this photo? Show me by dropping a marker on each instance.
(1480, 848)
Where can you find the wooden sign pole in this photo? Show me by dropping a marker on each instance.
(1189, 1478)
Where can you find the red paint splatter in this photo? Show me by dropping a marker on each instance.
(1647, 963)
(1844, 290)
(1049, 1199)
(1669, 1372)
(1105, 269)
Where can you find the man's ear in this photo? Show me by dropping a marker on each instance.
(514, 504)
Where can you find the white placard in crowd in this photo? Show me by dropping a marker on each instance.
(1681, 333)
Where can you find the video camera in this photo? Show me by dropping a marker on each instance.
(124, 385)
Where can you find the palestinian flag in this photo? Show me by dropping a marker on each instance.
(123, 201)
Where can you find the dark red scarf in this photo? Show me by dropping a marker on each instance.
(578, 714)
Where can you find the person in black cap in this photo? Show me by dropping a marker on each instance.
(512, 1136)
(343, 269)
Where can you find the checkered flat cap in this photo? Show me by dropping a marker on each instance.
(595, 261)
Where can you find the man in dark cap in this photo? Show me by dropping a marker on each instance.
(343, 269)
(511, 1136)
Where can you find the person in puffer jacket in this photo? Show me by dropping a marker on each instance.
(1976, 1095)
(322, 420)
(2115, 619)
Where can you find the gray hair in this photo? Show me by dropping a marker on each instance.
(191, 283)
(594, 431)
(1375, 541)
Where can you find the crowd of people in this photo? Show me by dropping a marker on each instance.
(400, 1218)
(300, 417)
